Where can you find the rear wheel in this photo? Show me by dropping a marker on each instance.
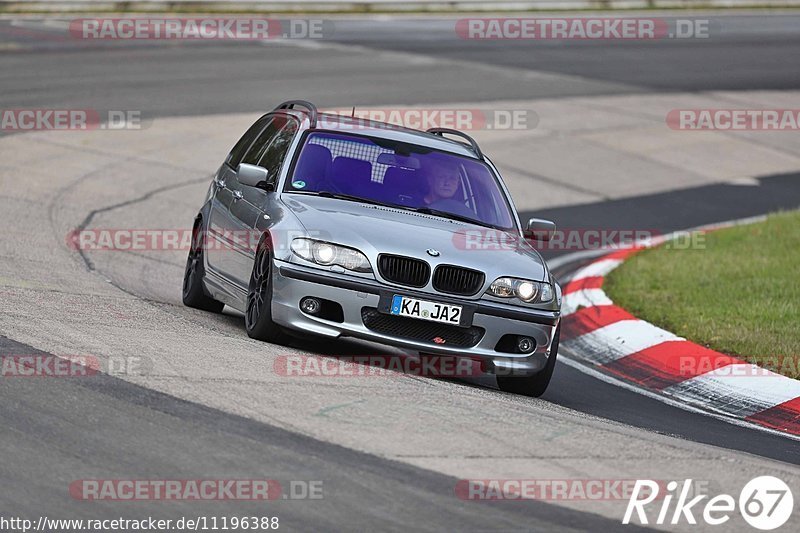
(258, 315)
(533, 385)
(194, 295)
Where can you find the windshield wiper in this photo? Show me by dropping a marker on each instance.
(453, 216)
(424, 210)
(342, 196)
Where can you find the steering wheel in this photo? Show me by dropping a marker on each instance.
(452, 206)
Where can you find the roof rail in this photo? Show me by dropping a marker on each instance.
(441, 131)
(312, 109)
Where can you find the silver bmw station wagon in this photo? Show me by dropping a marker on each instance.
(336, 226)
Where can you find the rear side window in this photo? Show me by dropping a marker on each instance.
(238, 151)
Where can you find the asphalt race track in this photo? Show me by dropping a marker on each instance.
(389, 451)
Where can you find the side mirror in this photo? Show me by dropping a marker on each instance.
(254, 176)
(541, 229)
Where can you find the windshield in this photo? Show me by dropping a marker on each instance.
(400, 174)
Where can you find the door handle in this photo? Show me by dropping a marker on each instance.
(237, 195)
(220, 182)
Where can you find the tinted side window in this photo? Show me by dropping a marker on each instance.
(276, 151)
(256, 151)
(238, 151)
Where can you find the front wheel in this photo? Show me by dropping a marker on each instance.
(533, 385)
(258, 316)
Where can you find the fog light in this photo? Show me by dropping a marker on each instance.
(525, 344)
(310, 305)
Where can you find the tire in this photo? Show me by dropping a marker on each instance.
(258, 313)
(537, 384)
(194, 294)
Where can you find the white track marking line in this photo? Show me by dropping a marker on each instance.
(620, 339)
(571, 302)
(598, 268)
(738, 390)
(581, 367)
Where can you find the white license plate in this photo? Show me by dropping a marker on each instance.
(405, 306)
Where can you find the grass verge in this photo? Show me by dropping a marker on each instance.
(738, 292)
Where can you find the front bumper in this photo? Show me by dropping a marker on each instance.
(292, 283)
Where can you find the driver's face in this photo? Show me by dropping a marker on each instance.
(444, 182)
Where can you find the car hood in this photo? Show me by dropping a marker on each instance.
(375, 229)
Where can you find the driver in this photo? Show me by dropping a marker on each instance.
(443, 181)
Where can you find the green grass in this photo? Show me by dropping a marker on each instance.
(738, 292)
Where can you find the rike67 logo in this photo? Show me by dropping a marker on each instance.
(765, 503)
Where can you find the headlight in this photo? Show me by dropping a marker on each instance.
(323, 253)
(526, 290)
(328, 254)
(502, 287)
